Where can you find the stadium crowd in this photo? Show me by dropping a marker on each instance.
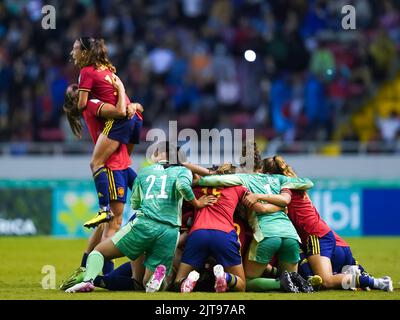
(183, 60)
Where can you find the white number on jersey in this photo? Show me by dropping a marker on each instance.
(152, 179)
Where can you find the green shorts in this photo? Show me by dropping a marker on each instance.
(156, 240)
(287, 249)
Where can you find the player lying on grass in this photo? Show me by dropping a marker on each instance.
(315, 234)
(119, 173)
(343, 262)
(96, 81)
(157, 197)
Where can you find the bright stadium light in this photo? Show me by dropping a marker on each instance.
(250, 55)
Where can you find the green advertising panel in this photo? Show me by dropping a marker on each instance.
(25, 211)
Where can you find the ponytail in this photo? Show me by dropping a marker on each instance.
(71, 110)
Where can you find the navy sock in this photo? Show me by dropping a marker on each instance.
(124, 270)
(84, 259)
(119, 279)
(364, 281)
(114, 282)
(108, 266)
(304, 269)
(231, 280)
(100, 178)
(99, 282)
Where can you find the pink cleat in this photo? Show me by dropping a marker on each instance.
(81, 287)
(189, 283)
(156, 279)
(220, 280)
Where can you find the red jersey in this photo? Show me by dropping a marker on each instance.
(98, 82)
(120, 159)
(305, 216)
(220, 215)
(339, 241)
(245, 234)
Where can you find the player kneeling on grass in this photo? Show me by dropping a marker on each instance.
(213, 234)
(273, 232)
(157, 197)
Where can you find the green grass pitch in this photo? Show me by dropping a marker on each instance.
(22, 260)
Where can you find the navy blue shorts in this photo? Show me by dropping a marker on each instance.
(324, 246)
(118, 183)
(125, 131)
(223, 247)
(131, 177)
(342, 257)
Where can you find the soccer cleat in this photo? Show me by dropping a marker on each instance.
(86, 286)
(287, 284)
(76, 277)
(189, 283)
(301, 283)
(385, 284)
(315, 281)
(101, 217)
(220, 280)
(154, 284)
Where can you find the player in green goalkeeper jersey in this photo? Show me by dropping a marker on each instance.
(157, 197)
(273, 232)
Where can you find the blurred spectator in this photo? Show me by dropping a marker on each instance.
(183, 60)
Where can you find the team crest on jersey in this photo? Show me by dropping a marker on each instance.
(121, 192)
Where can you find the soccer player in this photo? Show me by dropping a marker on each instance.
(213, 234)
(120, 174)
(157, 197)
(343, 262)
(96, 82)
(315, 234)
(273, 232)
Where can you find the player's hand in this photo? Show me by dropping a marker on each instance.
(117, 83)
(205, 201)
(250, 200)
(131, 110)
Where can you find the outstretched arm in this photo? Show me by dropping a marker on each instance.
(266, 208)
(196, 169)
(295, 183)
(226, 180)
(281, 200)
(184, 186)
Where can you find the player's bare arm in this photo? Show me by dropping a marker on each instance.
(281, 200)
(203, 201)
(82, 99)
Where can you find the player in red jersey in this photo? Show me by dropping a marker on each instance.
(318, 239)
(96, 81)
(342, 261)
(118, 167)
(214, 234)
